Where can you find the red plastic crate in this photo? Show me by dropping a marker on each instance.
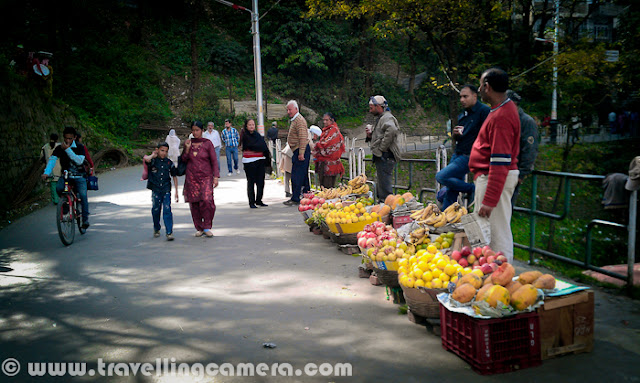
(401, 221)
(493, 346)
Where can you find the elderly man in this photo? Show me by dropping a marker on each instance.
(494, 159)
(528, 143)
(469, 123)
(298, 140)
(383, 141)
(214, 136)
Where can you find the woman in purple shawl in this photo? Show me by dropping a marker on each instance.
(201, 178)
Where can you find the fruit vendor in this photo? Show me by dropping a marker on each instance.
(327, 152)
(494, 159)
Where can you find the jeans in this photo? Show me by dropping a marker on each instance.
(161, 202)
(299, 172)
(254, 172)
(80, 185)
(232, 152)
(218, 157)
(452, 176)
(384, 174)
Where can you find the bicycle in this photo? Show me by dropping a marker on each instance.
(69, 213)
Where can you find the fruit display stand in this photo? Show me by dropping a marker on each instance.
(566, 324)
(387, 273)
(492, 346)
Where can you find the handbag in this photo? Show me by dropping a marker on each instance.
(92, 183)
(182, 167)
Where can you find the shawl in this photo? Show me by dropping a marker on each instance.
(253, 144)
(329, 149)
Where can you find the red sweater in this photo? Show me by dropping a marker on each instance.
(496, 149)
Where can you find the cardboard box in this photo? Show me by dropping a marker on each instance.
(567, 324)
(460, 240)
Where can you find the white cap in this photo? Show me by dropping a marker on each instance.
(315, 130)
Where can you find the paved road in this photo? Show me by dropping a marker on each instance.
(121, 295)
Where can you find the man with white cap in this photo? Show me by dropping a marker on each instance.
(383, 141)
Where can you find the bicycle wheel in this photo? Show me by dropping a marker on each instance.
(79, 217)
(64, 220)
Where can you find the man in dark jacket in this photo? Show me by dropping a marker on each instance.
(272, 133)
(469, 123)
(529, 141)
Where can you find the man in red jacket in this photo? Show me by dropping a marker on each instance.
(494, 159)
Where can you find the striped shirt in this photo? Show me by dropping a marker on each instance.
(230, 137)
(495, 151)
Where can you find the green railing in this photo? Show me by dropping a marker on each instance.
(533, 213)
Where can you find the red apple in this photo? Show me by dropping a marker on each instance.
(494, 266)
(486, 268)
(499, 253)
(301, 208)
(456, 255)
(490, 253)
(471, 259)
(502, 258)
(478, 267)
(315, 201)
(477, 251)
(463, 262)
(485, 249)
(482, 260)
(491, 258)
(466, 250)
(321, 201)
(476, 263)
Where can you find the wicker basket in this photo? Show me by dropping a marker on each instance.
(325, 230)
(344, 239)
(423, 302)
(387, 277)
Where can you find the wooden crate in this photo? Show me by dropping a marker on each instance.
(567, 324)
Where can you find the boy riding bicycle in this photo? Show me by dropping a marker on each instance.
(72, 157)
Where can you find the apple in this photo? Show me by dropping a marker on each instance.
(362, 242)
(301, 208)
(478, 267)
(502, 258)
(499, 262)
(477, 252)
(494, 266)
(491, 259)
(482, 260)
(315, 201)
(471, 259)
(490, 253)
(456, 255)
(485, 249)
(476, 263)
(486, 268)
(465, 251)
(499, 253)
(321, 200)
(463, 262)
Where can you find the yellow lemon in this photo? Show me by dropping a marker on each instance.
(466, 270)
(454, 279)
(417, 273)
(432, 249)
(359, 205)
(403, 262)
(449, 269)
(374, 215)
(446, 245)
(444, 277)
(402, 270)
(426, 276)
(421, 252)
(436, 272)
(442, 264)
(428, 285)
(445, 284)
(423, 266)
(478, 272)
(410, 282)
(436, 283)
(418, 282)
(403, 280)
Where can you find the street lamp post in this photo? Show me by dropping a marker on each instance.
(554, 97)
(257, 63)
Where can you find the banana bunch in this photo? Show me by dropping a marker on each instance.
(331, 193)
(418, 236)
(358, 181)
(454, 212)
(345, 190)
(435, 219)
(422, 214)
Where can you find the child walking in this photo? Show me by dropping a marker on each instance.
(161, 169)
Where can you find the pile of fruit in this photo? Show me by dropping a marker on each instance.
(432, 216)
(393, 201)
(431, 269)
(502, 290)
(355, 212)
(357, 185)
(310, 203)
(378, 237)
(483, 258)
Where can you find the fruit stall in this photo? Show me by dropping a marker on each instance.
(471, 296)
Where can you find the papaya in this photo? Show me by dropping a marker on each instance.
(529, 277)
(483, 290)
(496, 294)
(471, 279)
(524, 297)
(385, 210)
(487, 281)
(407, 196)
(513, 286)
(464, 293)
(376, 209)
(503, 275)
(545, 282)
(389, 200)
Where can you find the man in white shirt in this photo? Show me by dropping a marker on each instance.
(213, 136)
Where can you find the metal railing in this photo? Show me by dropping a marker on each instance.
(533, 212)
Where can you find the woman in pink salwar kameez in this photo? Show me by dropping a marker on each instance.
(201, 177)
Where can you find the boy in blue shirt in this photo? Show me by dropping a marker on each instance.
(161, 169)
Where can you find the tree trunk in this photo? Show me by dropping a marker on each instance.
(195, 71)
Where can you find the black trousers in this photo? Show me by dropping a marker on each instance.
(255, 180)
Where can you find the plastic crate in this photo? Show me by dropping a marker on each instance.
(493, 346)
(398, 222)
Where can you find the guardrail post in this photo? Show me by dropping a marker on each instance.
(631, 241)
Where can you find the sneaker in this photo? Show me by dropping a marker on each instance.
(291, 203)
(199, 233)
(261, 204)
(208, 233)
(238, 171)
(253, 206)
(230, 174)
(85, 225)
(170, 237)
(287, 194)
(156, 233)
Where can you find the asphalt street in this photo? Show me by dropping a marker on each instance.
(121, 295)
